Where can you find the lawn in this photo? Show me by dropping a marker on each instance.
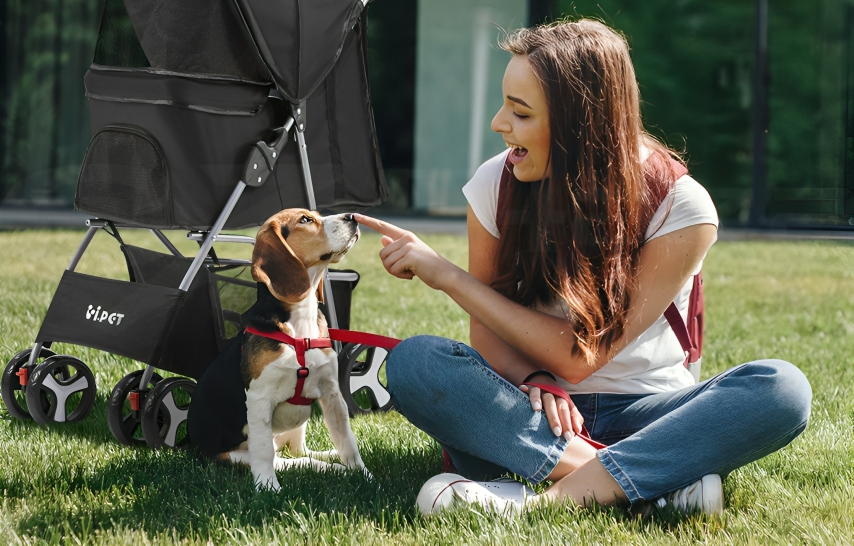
(74, 484)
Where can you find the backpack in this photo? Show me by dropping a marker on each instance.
(690, 335)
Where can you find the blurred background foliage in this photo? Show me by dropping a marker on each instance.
(47, 45)
(694, 61)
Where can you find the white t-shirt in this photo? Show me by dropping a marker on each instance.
(654, 362)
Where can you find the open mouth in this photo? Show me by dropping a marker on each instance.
(352, 241)
(517, 154)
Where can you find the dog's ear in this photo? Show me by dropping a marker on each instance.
(276, 265)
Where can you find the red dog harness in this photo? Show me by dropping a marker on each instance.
(301, 345)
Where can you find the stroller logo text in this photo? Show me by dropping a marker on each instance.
(97, 315)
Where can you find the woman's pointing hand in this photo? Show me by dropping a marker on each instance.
(406, 256)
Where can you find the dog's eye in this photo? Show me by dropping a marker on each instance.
(306, 219)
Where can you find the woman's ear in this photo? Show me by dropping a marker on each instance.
(276, 265)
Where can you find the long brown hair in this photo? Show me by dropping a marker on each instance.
(576, 236)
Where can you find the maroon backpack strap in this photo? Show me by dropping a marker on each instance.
(690, 335)
(678, 325)
(696, 311)
(679, 170)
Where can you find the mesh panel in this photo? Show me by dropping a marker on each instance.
(124, 177)
(194, 37)
(235, 292)
(117, 44)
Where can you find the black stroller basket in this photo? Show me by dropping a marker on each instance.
(193, 105)
(150, 320)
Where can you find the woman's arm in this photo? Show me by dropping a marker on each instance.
(666, 264)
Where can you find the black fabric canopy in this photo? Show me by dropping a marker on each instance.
(299, 40)
(209, 93)
(193, 37)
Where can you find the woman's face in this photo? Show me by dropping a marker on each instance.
(523, 121)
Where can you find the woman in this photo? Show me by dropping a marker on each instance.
(566, 287)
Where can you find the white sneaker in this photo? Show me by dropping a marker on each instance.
(705, 495)
(504, 496)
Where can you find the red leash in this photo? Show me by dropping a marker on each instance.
(301, 345)
(351, 336)
(557, 391)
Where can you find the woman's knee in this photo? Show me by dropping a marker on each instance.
(782, 389)
(415, 354)
(417, 362)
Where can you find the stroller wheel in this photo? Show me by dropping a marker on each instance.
(61, 389)
(361, 376)
(14, 394)
(126, 423)
(164, 415)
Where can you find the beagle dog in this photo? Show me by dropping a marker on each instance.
(248, 404)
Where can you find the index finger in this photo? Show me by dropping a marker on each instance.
(384, 228)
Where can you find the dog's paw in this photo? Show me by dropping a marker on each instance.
(312, 464)
(280, 463)
(267, 483)
(327, 456)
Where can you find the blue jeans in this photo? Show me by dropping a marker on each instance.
(657, 443)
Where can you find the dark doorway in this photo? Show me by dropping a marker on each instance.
(391, 65)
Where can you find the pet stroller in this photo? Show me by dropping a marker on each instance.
(192, 106)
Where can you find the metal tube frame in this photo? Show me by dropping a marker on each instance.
(146, 377)
(84, 244)
(37, 348)
(209, 239)
(167, 243)
(312, 204)
(229, 261)
(198, 236)
(306, 169)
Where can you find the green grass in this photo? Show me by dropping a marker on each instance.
(74, 484)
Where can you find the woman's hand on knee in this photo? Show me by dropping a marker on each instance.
(563, 417)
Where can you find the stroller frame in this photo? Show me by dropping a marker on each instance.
(207, 240)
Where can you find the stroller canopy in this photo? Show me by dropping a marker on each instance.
(197, 77)
(294, 43)
(299, 40)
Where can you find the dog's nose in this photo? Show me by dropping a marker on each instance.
(349, 218)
